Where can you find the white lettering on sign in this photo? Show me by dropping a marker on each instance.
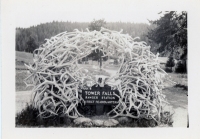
(91, 97)
(92, 93)
(108, 93)
(107, 97)
(89, 101)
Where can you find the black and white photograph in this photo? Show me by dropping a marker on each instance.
(103, 74)
(98, 65)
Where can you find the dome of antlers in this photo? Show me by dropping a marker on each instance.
(57, 78)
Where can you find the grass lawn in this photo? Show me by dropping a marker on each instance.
(20, 75)
(21, 72)
(176, 96)
(179, 78)
(180, 85)
(24, 56)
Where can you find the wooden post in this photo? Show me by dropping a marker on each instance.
(100, 62)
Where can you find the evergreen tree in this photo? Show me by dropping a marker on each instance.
(31, 45)
(96, 25)
(170, 33)
(170, 62)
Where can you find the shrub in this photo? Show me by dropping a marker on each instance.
(180, 67)
(170, 62)
(168, 70)
(29, 117)
(182, 86)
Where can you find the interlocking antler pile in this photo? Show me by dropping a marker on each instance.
(57, 78)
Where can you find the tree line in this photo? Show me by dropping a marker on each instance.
(28, 39)
(166, 35)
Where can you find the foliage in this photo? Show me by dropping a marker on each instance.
(170, 62)
(171, 34)
(27, 116)
(31, 45)
(43, 31)
(95, 55)
(30, 117)
(180, 67)
(182, 86)
(168, 70)
(97, 24)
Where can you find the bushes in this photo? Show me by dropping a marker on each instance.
(170, 63)
(168, 70)
(29, 117)
(180, 68)
(182, 86)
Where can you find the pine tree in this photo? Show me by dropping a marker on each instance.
(170, 33)
(96, 25)
(31, 45)
(170, 62)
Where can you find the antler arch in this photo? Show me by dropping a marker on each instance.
(57, 76)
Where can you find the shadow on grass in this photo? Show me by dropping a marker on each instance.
(182, 86)
(28, 117)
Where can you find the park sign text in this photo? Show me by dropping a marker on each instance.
(97, 96)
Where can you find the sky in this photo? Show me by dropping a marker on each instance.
(29, 13)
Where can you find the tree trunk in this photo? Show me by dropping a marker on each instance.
(100, 62)
(100, 59)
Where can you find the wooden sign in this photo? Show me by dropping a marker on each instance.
(101, 96)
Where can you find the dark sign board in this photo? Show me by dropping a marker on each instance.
(101, 96)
